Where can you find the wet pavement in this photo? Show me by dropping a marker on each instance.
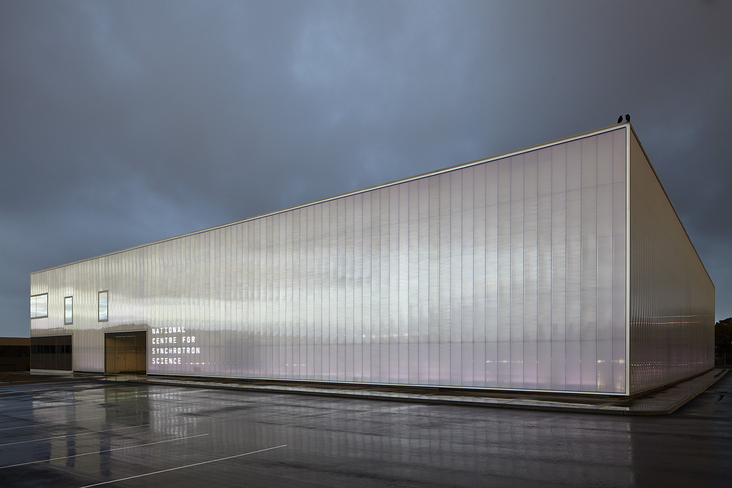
(99, 433)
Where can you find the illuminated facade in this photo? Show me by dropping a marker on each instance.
(561, 267)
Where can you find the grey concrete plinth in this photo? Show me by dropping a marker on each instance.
(660, 402)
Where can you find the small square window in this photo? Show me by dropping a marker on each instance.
(39, 306)
(102, 306)
(68, 310)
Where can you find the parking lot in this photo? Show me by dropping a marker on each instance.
(99, 433)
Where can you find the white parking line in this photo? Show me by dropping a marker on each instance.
(104, 450)
(183, 467)
(72, 435)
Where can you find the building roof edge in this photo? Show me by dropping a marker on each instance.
(364, 190)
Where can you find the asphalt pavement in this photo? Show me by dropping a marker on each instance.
(97, 433)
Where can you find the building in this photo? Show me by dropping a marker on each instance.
(562, 267)
(15, 353)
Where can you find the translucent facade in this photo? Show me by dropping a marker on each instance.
(672, 297)
(516, 272)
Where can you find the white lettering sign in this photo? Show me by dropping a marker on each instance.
(170, 336)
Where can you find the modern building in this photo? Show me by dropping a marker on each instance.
(562, 267)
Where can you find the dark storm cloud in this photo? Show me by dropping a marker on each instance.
(127, 122)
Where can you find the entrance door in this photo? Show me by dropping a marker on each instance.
(125, 352)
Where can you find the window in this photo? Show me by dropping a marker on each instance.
(102, 306)
(68, 310)
(39, 306)
(52, 352)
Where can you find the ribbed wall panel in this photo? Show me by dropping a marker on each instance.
(504, 274)
(672, 296)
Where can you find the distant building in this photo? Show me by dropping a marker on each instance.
(562, 267)
(15, 354)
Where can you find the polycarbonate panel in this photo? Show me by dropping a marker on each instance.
(672, 296)
(508, 273)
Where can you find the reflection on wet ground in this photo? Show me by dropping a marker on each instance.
(86, 433)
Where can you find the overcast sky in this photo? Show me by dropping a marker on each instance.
(126, 122)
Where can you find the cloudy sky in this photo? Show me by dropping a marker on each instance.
(126, 122)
